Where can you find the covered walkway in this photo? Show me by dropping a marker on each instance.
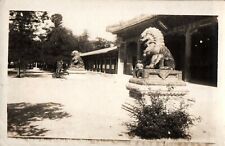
(103, 60)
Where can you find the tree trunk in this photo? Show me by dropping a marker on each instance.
(19, 68)
(59, 66)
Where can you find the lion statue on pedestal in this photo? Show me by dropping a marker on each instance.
(76, 61)
(156, 51)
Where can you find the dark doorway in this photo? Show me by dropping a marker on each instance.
(131, 57)
(204, 55)
(176, 44)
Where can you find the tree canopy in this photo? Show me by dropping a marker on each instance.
(23, 36)
(59, 43)
(34, 36)
(86, 45)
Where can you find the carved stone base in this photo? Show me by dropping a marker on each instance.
(74, 70)
(74, 73)
(157, 82)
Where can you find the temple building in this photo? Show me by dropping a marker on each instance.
(103, 60)
(192, 40)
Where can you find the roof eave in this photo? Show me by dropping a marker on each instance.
(115, 29)
(101, 51)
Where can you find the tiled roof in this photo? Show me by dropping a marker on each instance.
(122, 25)
(101, 51)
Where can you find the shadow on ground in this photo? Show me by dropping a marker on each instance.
(22, 115)
(27, 74)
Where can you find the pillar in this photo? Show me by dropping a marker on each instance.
(121, 55)
(187, 61)
(138, 49)
(110, 64)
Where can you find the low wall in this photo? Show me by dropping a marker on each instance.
(100, 142)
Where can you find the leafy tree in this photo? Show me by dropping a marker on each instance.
(57, 19)
(23, 26)
(59, 43)
(84, 43)
(101, 43)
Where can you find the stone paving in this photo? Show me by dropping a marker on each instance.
(93, 103)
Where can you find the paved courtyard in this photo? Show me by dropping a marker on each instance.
(92, 101)
(85, 106)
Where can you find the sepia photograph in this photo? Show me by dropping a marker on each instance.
(109, 73)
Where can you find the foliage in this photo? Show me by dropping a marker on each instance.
(101, 43)
(56, 19)
(156, 120)
(23, 37)
(59, 43)
(86, 45)
(36, 37)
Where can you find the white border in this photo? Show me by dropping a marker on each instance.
(155, 7)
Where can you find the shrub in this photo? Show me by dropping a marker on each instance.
(158, 120)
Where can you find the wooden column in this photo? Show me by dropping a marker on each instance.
(121, 55)
(96, 64)
(101, 63)
(97, 60)
(105, 64)
(187, 61)
(116, 66)
(110, 64)
(138, 49)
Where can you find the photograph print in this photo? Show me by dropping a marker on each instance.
(101, 75)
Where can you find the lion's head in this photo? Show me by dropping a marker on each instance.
(75, 57)
(154, 40)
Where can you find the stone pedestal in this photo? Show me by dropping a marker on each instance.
(75, 72)
(72, 71)
(157, 81)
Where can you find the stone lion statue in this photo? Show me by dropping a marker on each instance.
(156, 51)
(76, 60)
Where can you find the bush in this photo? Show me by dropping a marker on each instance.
(158, 120)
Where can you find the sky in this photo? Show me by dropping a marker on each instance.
(93, 16)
